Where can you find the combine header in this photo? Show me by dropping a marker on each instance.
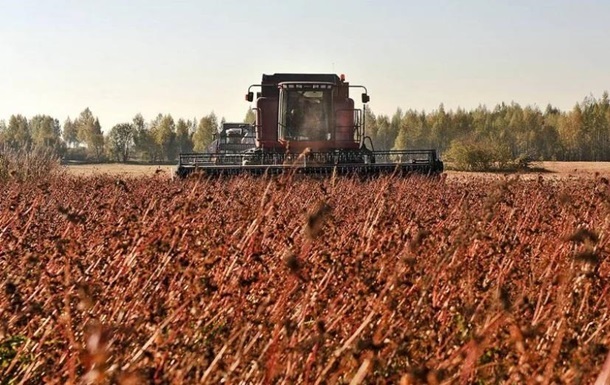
(307, 124)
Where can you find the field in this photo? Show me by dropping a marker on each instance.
(133, 170)
(111, 278)
(552, 169)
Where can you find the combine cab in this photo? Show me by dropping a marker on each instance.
(307, 124)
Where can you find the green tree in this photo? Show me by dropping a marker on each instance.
(97, 140)
(481, 122)
(411, 133)
(89, 131)
(70, 133)
(569, 132)
(193, 126)
(165, 136)
(440, 129)
(2, 134)
(603, 126)
(208, 126)
(370, 126)
(120, 141)
(84, 126)
(461, 124)
(394, 127)
(385, 136)
(401, 141)
(552, 148)
(531, 132)
(46, 132)
(595, 129)
(250, 117)
(468, 154)
(184, 142)
(144, 142)
(155, 149)
(17, 134)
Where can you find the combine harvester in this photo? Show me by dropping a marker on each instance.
(233, 138)
(308, 124)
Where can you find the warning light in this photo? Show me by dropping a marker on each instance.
(342, 77)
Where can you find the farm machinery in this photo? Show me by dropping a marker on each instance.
(233, 138)
(307, 124)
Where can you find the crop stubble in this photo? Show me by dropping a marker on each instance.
(153, 280)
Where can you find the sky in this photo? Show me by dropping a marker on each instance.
(189, 58)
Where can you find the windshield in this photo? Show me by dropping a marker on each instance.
(306, 114)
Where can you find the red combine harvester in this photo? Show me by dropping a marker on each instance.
(308, 124)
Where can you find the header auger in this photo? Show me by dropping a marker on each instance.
(308, 124)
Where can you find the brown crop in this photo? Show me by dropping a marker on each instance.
(405, 281)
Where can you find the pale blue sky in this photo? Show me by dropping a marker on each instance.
(188, 58)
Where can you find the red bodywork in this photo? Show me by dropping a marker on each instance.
(344, 127)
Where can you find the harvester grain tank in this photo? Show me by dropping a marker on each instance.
(309, 124)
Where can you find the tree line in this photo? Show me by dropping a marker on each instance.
(506, 135)
(158, 140)
(481, 138)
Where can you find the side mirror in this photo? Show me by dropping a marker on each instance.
(365, 98)
(250, 96)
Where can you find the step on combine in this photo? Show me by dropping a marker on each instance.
(306, 124)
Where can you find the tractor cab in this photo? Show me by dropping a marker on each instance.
(297, 112)
(305, 112)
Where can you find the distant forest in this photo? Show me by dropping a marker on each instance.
(482, 138)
